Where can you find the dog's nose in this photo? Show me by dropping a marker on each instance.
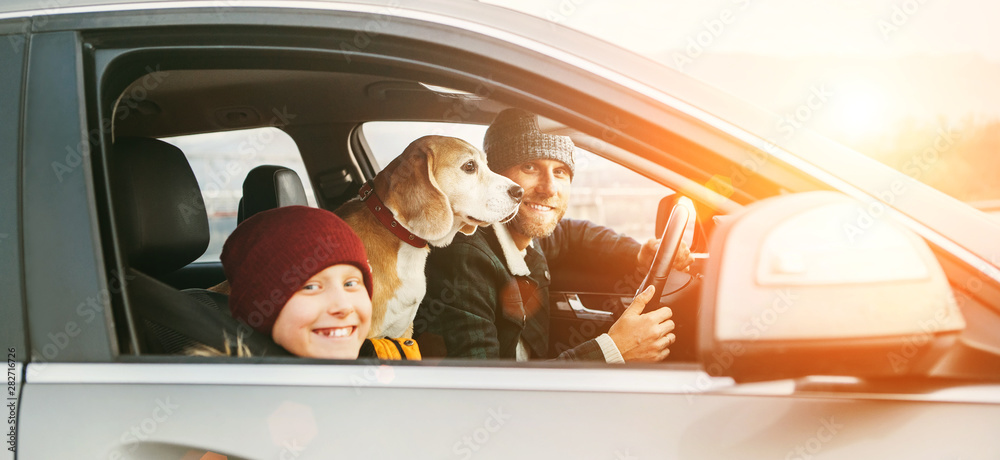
(516, 192)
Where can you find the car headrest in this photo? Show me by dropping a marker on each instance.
(269, 187)
(159, 211)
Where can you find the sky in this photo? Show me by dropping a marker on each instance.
(786, 28)
(886, 62)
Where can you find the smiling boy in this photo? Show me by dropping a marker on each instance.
(301, 276)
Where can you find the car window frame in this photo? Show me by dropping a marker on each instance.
(109, 61)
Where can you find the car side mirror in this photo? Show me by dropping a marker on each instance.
(796, 286)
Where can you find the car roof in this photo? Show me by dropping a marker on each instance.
(11, 6)
(513, 25)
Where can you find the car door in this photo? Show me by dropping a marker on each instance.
(12, 319)
(98, 396)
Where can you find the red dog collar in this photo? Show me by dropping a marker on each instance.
(384, 215)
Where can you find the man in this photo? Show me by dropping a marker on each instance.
(487, 294)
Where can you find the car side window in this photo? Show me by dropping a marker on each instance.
(603, 191)
(221, 161)
(609, 194)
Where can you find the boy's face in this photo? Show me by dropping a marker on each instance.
(328, 317)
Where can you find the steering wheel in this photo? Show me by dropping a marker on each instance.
(680, 227)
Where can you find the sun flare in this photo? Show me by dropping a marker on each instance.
(861, 108)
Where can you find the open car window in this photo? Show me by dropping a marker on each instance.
(603, 192)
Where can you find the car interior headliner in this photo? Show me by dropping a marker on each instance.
(178, 102)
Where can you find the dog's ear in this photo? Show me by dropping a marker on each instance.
(414, 194)
(468, 229)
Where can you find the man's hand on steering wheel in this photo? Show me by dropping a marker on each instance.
(645, 258)
(643, 336)
(648, 336)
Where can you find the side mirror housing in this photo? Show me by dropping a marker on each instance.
(795, 286)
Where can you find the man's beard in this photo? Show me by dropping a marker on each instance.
(534, 226)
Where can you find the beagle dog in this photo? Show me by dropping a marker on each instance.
(437, 187)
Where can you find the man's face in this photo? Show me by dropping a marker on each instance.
(546, 186)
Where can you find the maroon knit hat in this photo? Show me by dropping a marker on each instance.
(273, 253)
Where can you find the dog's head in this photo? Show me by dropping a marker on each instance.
(440, 185)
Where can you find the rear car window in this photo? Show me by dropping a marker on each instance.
(388, 139)
(222, 160)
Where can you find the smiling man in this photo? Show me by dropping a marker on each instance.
(487, 294)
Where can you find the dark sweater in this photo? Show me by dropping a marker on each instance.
(475, 307)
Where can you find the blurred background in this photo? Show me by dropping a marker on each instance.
(911, 83)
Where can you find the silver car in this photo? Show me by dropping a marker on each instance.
(837, 308)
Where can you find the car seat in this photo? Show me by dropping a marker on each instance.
(161, 225)
(265, 187)
(269, 187)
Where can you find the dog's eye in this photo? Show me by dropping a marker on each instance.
(469, 167)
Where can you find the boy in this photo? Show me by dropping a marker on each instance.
(301, 276)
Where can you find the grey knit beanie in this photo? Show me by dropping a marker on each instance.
(514, 138)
